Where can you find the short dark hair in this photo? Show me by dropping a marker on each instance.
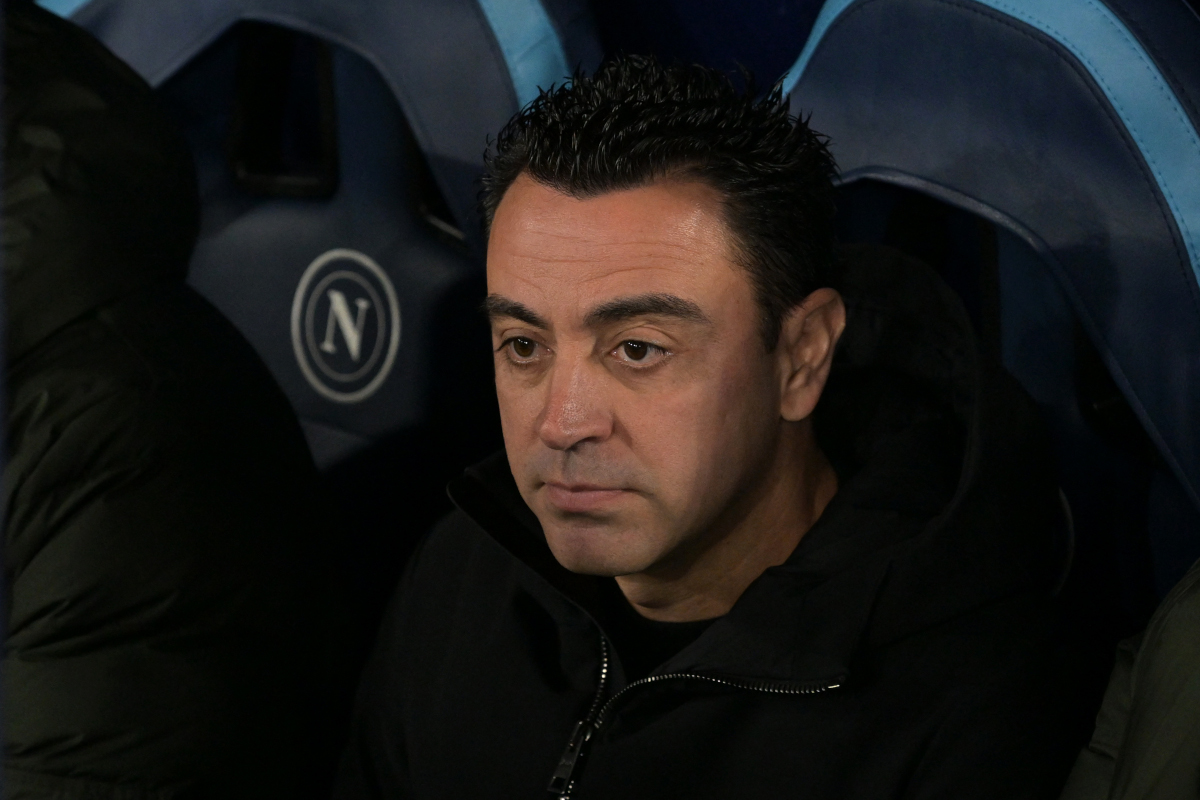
(636, 121)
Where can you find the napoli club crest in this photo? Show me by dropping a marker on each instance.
(345, 325)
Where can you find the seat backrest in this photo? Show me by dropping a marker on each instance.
(339, 147)
(1045, 157)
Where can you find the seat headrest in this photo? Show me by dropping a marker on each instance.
(1071, 124)
(459, 68)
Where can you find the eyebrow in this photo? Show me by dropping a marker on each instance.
(619, 310)
(497, 306)
(645, 305)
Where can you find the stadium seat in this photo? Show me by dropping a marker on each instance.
(1044, 156)
(313, 151)
(338, 148)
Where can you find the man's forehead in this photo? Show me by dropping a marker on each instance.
(663, 238)
(678, 202)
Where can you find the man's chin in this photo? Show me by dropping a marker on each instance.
(593, 550)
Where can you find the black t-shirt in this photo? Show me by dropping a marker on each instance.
(643, 644)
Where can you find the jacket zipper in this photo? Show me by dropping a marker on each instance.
(562, 783)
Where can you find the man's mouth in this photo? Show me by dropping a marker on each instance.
(582, 497)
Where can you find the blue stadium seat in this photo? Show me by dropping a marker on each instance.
(1044, 156)
(338, 278)
(338, 147)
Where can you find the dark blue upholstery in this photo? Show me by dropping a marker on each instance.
(458, 68)
(416, 82)
(759, 35)
(1067, 130)
(361, 293)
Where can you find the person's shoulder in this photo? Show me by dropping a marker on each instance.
(455, 562)
(990, 692)
(455, 538)
(1002, 648)
(455, 574)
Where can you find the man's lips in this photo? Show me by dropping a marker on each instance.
(582, 497)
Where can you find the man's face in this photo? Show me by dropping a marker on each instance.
(637, 400)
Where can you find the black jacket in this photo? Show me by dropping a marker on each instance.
(902, 651)
(163, 547)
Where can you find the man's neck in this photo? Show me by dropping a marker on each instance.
(706, 582)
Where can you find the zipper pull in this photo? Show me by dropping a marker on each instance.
(560, 781)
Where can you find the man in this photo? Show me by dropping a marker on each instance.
(766, 524)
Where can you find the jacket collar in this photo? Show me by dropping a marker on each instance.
(800, 622)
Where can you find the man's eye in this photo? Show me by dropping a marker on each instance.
(522, 347)
(640, 353)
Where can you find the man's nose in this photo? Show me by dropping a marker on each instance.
(575, 411)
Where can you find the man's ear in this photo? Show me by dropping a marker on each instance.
(807, 339)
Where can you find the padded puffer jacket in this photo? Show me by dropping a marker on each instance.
(166, 611)
(1146, 744)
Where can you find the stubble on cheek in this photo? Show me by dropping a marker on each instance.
(731, 438)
